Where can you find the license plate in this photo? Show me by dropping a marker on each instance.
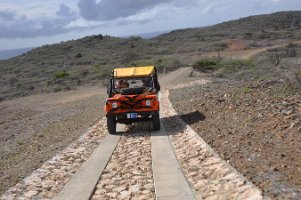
(131, 115)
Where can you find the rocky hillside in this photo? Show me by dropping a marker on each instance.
(89, 60)
(280, 25)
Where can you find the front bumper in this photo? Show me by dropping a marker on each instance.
(141, 116)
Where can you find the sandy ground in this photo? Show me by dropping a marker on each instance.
(34, 128)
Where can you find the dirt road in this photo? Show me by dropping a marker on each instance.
(241, 53)
(253, 53)
(208, 176)
(35, 128)
(136, 178)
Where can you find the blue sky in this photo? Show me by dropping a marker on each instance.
(28, 23)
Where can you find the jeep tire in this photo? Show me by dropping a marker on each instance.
(111, 123)
(156, 121)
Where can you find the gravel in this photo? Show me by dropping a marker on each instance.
(210, 176)
(128, 174)
(258, 134)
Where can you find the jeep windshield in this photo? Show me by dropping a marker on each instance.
(135, 85)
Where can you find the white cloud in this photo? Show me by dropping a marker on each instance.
(113, 9)
(82, 23)
(33, 19)
(52, 17)
(64, 11)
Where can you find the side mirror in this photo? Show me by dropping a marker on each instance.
(156, 83)
(109, 90)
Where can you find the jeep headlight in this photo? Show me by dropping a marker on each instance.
(114, 105)
(148, 102)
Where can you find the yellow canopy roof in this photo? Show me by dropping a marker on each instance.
(133, 71)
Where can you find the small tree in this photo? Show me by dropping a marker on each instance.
(205, 65)
(79, 55)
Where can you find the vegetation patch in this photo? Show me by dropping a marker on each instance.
(20, 141)
(246, 90)
(283, 90)
(206, 65)
(87, 60)
(225, 66)
(232, 66)
(60, 74)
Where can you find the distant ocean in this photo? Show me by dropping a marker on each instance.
(6, 54)
(146, 35)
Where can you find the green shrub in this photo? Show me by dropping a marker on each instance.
(225, 66)
(57, 89)
(79, 55)
(100, 36)
(49, 83)
(248, 35)
(96, 66)
(232, 66)
(246, 90)
(60, 74)
(20, 141)
(282, 90)
(205, 65)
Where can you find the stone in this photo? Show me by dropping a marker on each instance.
(146, 192)
(30, 193)
(30, 180)
(48, 194)
(97, 197)
(109, 187)
(112, 195)
(119, 189)
(47, 185)
(149, 186)
(134, 188)
(140, 197)
(125, 195)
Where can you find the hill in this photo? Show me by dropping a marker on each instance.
(89, 60)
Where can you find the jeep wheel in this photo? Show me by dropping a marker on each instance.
(156, 122)
(111, 123)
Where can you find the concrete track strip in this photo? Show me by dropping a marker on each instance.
(169, 181)
(82, 184)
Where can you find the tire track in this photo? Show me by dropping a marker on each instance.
(128, 174)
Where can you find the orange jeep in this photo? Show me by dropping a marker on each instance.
(132, 97)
